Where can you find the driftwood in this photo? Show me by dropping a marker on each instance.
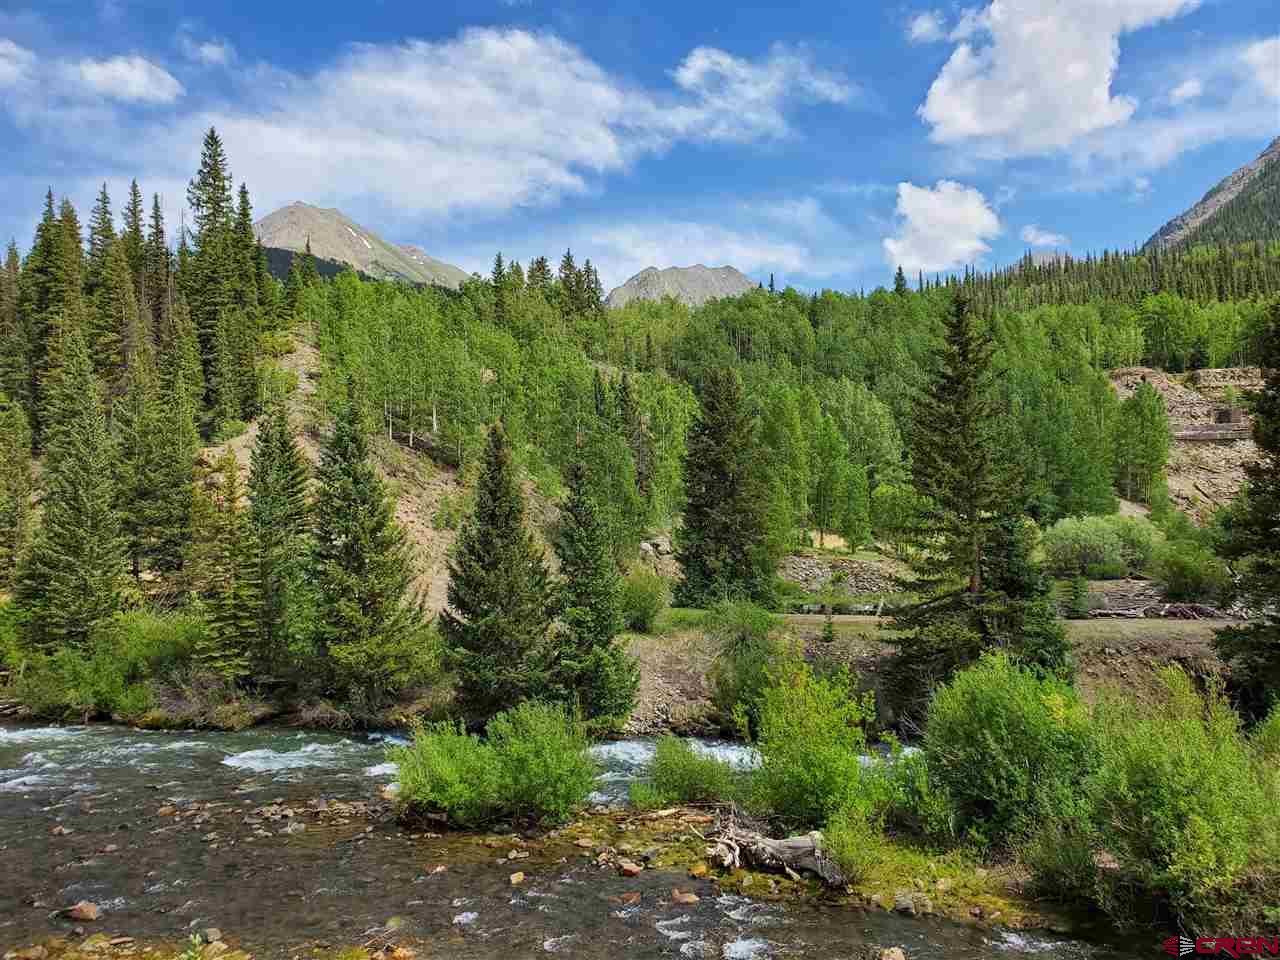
(733, 847)
(1164, 611)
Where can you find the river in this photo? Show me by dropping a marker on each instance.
(278, 838)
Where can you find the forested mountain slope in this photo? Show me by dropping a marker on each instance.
(1243, 207)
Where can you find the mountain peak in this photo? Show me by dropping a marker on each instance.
(335, 236)
(693, 285)
(1249, 196)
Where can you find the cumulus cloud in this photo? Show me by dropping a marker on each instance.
(927, 27)
(1035, 237)
(1188, 89)
(1033, 76)
(130, 79)
(940, 227)
(15, 63)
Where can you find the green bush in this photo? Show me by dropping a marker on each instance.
(855, 840)
(681, 774)
(532, 765)
(275, 343)
(113, 676)
(229, 430)
(1085, 545)
(1186, 809)
(546, 771)
(1138, 540)
(812, 746)
(644, 596)
(1008, 746)
(745, 650)
(447, 770)
(1190, 572)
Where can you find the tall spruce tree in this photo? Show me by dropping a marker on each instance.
(158, 266)
(361, 568)
(500, 595)
(134, 239)
(724, 547)
(176, 444)
(72, 578)
(233, 591)
(1252, 543)
(595, 671)
(16, 486)
(15, 335)
(135, 422)
(211, 283)
(102, 235)
(280, 516)
(117, 326)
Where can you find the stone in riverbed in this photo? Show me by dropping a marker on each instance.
(904, 902)
(84, 911)
(629, 868)
(892, 953)
(517, 878)
(684, 898)
(211, 934)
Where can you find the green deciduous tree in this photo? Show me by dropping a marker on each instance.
(1142, 441)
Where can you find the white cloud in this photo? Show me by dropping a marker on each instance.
(940, 227)
(1188, 89)
(131, 79)
(1035, 237)
(927, 27)
(1033, 76)
(15, 63)
(739, 100)
(211, 53)
(1263, 58)
(1141, 188)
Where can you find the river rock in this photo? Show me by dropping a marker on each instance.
(30, 953)
(684, 898)
(904, 901)
(517, 878)
(84, 911)
(518, 855)
(892, 953)
(61, 831)
(629, 868)
(211, 934)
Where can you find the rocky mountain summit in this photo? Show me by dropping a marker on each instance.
(1234, 191)
(693, 286)
(335, 236)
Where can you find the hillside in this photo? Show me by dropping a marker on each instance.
(692, 286)
(335, 237)
(1243, 207)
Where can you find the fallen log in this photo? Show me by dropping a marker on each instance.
(734, 847)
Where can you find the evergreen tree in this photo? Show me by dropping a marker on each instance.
(361, 569)
(16, 487)
(15, 341)
(72, 577)
(593, 669)
(900, 283)
(570, 286)
(723, 545)
(499, 280)
(500, 595)
(176, 445)
(37, 308)
(540, 276)
(280, 517)
(233, 591)
(830, 477)
(212, 282)
(102, 236)
(246, 257)
(135, 243)
(135, 422)
(157, 268)
(1252, 542)
(117, 324)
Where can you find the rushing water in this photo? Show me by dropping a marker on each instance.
(277, 889)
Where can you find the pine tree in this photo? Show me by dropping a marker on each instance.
(361, 568)
(36, 309)
(102, 236)
(212, 284)
(117, 324)
(499, 281)
(184, 355)
(570, 286)
(500, 596)
(72, 578)
(176, 444)
(540, 276)
(900, 283)
(246, 256)
(158, 267)
(1252, 544)
(234, 594)
(15, 340)
(594, 670)
(16, 486)
(723, 545)
(135, 422)
(135, 243)
(280, 516)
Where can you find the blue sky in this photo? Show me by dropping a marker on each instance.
(823, 145)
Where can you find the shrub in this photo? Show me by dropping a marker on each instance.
(1008, 746)
(1189, 571)
(894, 511)
(533, 765)
(229, 430)
(1138, 538)
(682, 774)
(275, 343)
(546, 771)
(913, 800)
(1184, 807)
(812, 745)
(644, 596)
(745, 649)
(447, 770)
(1078, 601)
(1084, 545)
(855, 840)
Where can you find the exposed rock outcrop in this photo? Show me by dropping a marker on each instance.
(693, 286)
